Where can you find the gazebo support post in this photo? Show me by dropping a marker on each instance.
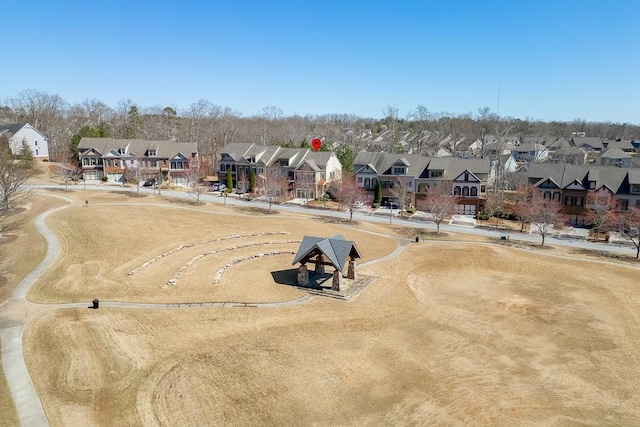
(351, 272)
(319, 265)
(303, 275)
(337, 281)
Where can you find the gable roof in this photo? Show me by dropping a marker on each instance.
(615, 153)
(336, 249)
(591, 141)
(454, 166)
(137, 147)
(624, 144)
(10, 129)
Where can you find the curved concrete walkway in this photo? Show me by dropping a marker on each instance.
(15, 311)
(13, 314)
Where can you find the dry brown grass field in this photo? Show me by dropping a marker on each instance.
(452, 331)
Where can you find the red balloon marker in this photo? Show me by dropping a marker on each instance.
(316, 143)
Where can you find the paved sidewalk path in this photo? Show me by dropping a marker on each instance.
(15, 311)
(13, 314)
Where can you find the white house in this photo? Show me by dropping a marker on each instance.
(19, 133)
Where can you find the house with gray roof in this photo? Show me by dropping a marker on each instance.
(625, 145)
(18, 134)
(112, 158)
(416, 173)
(308, 172)
(615, 157)
(573, 186)
(587, 143)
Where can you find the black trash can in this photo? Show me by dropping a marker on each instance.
(96, 303)
(417, 239)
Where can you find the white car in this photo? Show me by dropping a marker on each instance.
(358, 205)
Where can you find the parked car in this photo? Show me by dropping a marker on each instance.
(393, 205)
(358, 205)
(218, 187)
(149, 182)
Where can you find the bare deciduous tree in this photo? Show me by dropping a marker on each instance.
(543, 214)
(273, 184)
(66, 173)
(439, 202)
(348, 193)
(13, 193)
(627, 225)
(523, 195)
(402, 191)
(601, 206)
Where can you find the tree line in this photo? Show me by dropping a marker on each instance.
(213, 126)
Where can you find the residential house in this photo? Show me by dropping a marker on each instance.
(561, 151)
(625, 145)
(23, 133)
(572, 186)
(308, 172)
(587, 143)
(530, 152)
(414, 174)
(468, 177)
(615, 157)
(111, 158)
(396, 173)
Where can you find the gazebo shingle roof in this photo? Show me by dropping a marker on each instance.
(336, 249)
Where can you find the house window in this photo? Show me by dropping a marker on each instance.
(115, 163)
(483, 188)
(568, 200)
(109, 163)
(456, 190)
(36, 143)
(592, 185)
(465, 191)
(223, 167)
(259, 170)
(556, 196)
(635, 188)
(154, 163)
(436, 174)
(359, 180)
(466, 176)
(152, 153)
(36, 151)
(579, 200)
(474, 191)
(367, 182)
(624, 205)
(546, 195)
(397, 170)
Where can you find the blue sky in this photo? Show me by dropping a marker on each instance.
(553, 60)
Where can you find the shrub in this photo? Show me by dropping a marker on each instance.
(105, 178)
(375, 205)
(411, 210)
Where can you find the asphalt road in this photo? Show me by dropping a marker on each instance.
(363, 216)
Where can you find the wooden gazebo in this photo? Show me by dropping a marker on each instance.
(334, 251)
